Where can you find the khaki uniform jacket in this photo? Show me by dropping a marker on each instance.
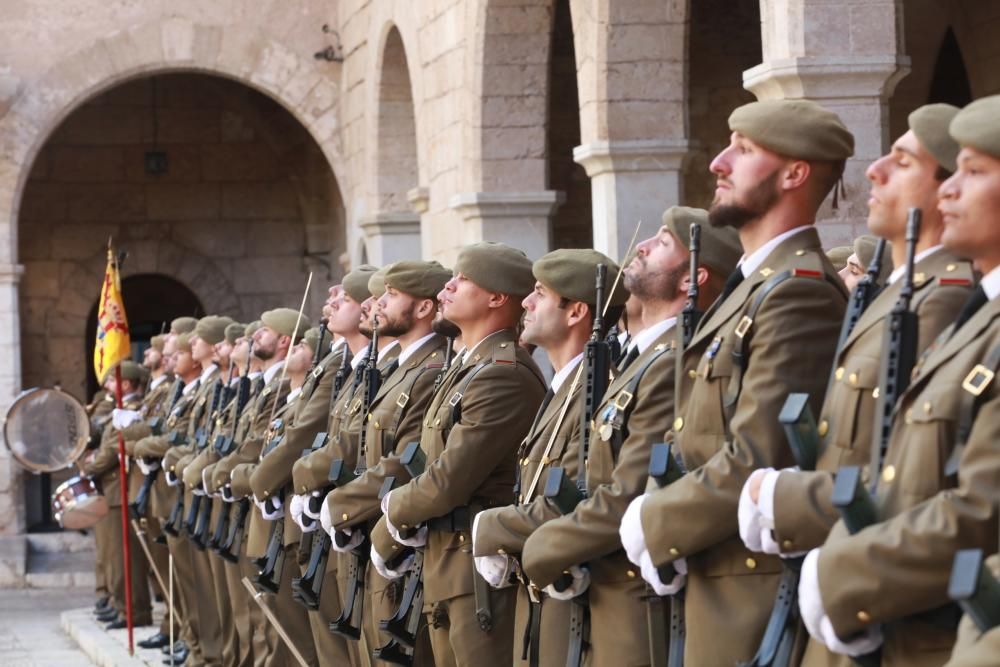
(197, 415)
(154, 403)
(104, 466)
(312, 472)
(804, 514)
(794, 335)
(220, 422)
(393, 421)
(900, 567)
(471, 456)
(156, 446)
(213, 482)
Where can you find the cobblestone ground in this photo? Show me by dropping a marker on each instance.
(30, 635)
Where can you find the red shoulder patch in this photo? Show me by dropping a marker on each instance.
(961, 282)
(806, 273)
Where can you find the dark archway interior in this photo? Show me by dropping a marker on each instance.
(950, 81)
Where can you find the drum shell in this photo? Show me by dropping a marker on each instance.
(77, 504)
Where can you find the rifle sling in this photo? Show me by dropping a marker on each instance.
(974, 388)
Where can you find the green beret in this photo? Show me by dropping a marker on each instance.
(157, 342)
(356, 282)
(282, 321)
(132, 371)
(572, 273)
(978, 126)
(496, 267)
(376, 282)
(720, 247)
(311, 337)
(930, 124)
(234, 331)
(252, 327)
(183, 325)
(420, 279)
(864, 248)
(184, 342)
(838, 256)
(797, 129)
(212, 328)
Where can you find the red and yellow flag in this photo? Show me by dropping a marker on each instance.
(112, 344)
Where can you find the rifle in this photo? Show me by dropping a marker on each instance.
(197, 518)
(691, 315)
(975, 589)
(777, 646)
(201, 530)
(899, 352)
(175, 522)
(137, 509)
(864, 293)
(403, 626)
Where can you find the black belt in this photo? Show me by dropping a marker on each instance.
(455, 521)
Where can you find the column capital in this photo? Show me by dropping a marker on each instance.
(10, 274)
(600, 157)
(506, 204)
(827, 77)
(420, 199)
(390, 224)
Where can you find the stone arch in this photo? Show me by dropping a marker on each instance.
(395, 158)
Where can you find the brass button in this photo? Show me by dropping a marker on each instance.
(840, 373)
(678, 424)
(630, 573)
(799, 253)
(377, 425)
(502, 552)
(751, 563)
(889, 473)
(692, 374)
(853, 378)
(927, 407)
(786, 545)
(674, 551)
(546, 460)
(503, 344)
(404, 526)
(823, 427)
(524, 461)
(395, 546)
(520, 498)
(461, 538)
(875, 393)
(864, 616)
(344, 516)
(437, 422)
(950, 267)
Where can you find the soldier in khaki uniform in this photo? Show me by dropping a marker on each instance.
(627, 422)
(99, 413)
(559, 318)
(406, 311)
(476, 420)
(863, 250)
(797, 505)
(102, 464)
(773, 331)
(938, 488)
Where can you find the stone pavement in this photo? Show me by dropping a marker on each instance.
(30, 635)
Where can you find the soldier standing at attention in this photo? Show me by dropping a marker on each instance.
(797, 506)
(476, 420)
(773, 331)
(938, 488)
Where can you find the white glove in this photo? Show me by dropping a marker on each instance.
(498, 570)
(227, 494)
(122, 418)
(818, 623)
(147, 468)
(172, 478)
(630, 530)
(652, 575)
(324, 517)
(748, 513)
(307, 506)
(295, 506)
(383, 569)
(350, 545)
(581, 581)
(274, 514)
(197, 491)
(204, 482)
(418, 539)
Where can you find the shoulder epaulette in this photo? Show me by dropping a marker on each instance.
(505, 353)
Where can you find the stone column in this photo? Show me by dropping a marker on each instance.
(520, 219)
(848, 57)
(11, 483)
(390, 237)
(631, 181)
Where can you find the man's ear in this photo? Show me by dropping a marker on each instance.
(685, 284)
(426, 308)
(795, 174)
(576, 312)
(498, 300)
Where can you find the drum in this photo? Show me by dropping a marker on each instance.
(46, 429)
(77, 504)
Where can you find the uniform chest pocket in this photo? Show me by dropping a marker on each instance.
(931, 422)
(717, 361)
(850, 414)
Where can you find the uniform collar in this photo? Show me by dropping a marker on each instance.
(157, 381)
(272, 371)
(991, 284)
(749, 264)
(406, 353)
(897, 273)
(207, 372)
(645, 338)
(559, 378)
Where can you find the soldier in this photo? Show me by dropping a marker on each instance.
(860, 258)
(406, 311)
(937, 491)
(772, 331)
(102, 464)
(470, 433)
(838, 257)
(788, 511)
(560, 319)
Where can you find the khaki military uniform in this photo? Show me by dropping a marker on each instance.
(104, 468)
(99, 413)
(792, 340)
(975, 648)
(470, 435)
(803, 510)
(617, 470)
(899, 568)
(392, 421)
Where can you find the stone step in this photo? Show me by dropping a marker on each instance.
(60, 569)
(107, 648)
(66, 541)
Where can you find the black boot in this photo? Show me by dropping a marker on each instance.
(159, 640)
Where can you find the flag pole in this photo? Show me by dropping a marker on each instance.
(123, 474)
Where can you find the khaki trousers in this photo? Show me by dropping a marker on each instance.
(458, 641)
(332, 650)
(142, 609)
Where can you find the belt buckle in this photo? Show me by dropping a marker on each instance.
(744, 326)
(402, 400)
(453, 401)
(977, 380)
(623, 399)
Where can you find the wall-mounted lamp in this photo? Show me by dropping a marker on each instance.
(333, 53)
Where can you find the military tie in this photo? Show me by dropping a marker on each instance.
(628, 358)
(732, 282)
(976, 301)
